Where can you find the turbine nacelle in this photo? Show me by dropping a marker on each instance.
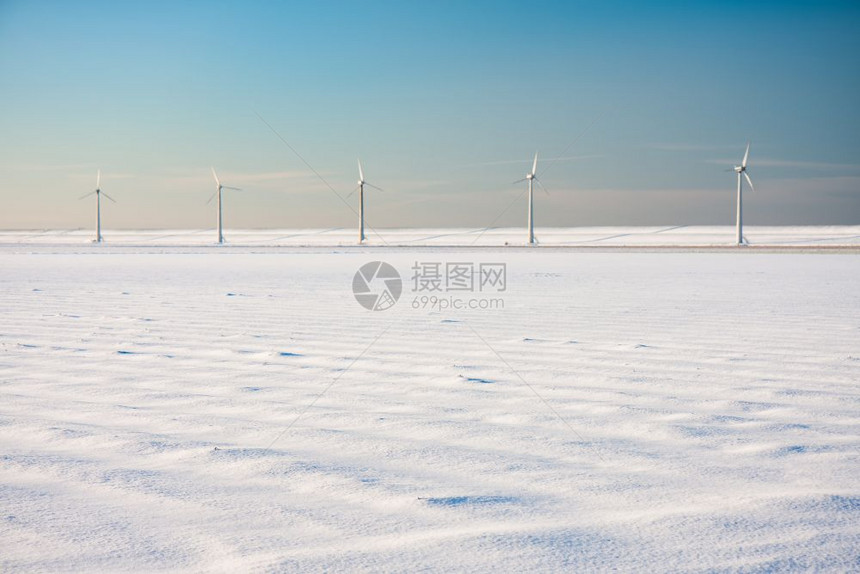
(741, 169)
(533, 172)
(362, 182)
(532, 177)
(98, 190)
(218, 187)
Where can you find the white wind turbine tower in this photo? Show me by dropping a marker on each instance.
(360, 189)
(532, 179)
(218, 189)
(98, 193)
(741, 170)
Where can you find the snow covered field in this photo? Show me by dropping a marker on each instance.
(226, 410)
(677, 236)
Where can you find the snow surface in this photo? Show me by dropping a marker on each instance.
(238, 411)
(681, 235)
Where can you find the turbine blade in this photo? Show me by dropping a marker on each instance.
(233, 188)
(86, 195)
(373, 186)
(211, 198)
(360, 171)
(351, 192)
(534, 165)
(109, 197)
(98, 178)
(519, 181)
(749, 181)
(215, 175)
(541, 186)
(746, 155)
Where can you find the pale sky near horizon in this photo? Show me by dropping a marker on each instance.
(645, 104)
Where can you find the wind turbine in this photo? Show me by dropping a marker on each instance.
(532, 179)
(741, 170)
(219, 187)
(98, 193)
(360, 189)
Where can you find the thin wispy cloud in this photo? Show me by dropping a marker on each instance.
(843, 186)
(43, 167)
(105, 176)
(529, 160)
(769, 162)
(691, 147)
(205, 176)
(573, 191)
(412, 185)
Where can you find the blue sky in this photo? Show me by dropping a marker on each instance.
(445, 102)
